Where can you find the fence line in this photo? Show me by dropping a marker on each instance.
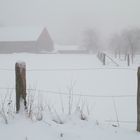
(81, 69)
(86, 95)
(80, 93)
(91, 96)
(75, 94)
(72, 69)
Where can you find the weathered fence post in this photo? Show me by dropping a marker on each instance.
(104, 57)
(128, 60)
(20, 69)
(138, 100)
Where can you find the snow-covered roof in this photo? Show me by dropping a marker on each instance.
(66, 47)
(20, 33)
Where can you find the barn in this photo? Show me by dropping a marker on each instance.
(25, 39)
(72, 49)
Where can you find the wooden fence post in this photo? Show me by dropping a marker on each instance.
(20, 69)
(128, 59)
(138, 100)
(104, 57)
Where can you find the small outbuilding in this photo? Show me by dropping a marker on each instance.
(25, 39)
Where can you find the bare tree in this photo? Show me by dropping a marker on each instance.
(116, 44)
(90, 41)
(131, 41)
(126, 43)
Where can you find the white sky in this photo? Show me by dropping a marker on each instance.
(65, 19)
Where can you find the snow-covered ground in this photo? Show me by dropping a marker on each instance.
(103, 93)
(23, 129)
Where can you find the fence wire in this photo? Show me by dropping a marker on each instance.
(113, 122)
(74, 94)
(72, 69)
(90, 95)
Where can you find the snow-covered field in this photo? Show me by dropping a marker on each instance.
(103, 93)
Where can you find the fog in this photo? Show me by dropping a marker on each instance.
(66, 19)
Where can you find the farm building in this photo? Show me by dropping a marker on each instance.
(72, 49)
(25, 39)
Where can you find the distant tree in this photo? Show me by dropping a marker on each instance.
(131, 40)
(90, 41)
(128, 42)
(116, 44)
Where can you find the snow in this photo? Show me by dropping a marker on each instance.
(24, 129)
(79, 80)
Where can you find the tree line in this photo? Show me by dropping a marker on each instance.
(126, 42)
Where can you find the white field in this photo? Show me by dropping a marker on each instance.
(58, 73)
(54, 77)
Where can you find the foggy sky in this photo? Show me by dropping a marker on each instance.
(65, 19)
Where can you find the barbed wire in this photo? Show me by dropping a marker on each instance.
(86, 95)
(75, 94)
(81, 69)
(72, 69)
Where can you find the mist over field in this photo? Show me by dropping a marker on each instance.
(66, 19)
(69, 69)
